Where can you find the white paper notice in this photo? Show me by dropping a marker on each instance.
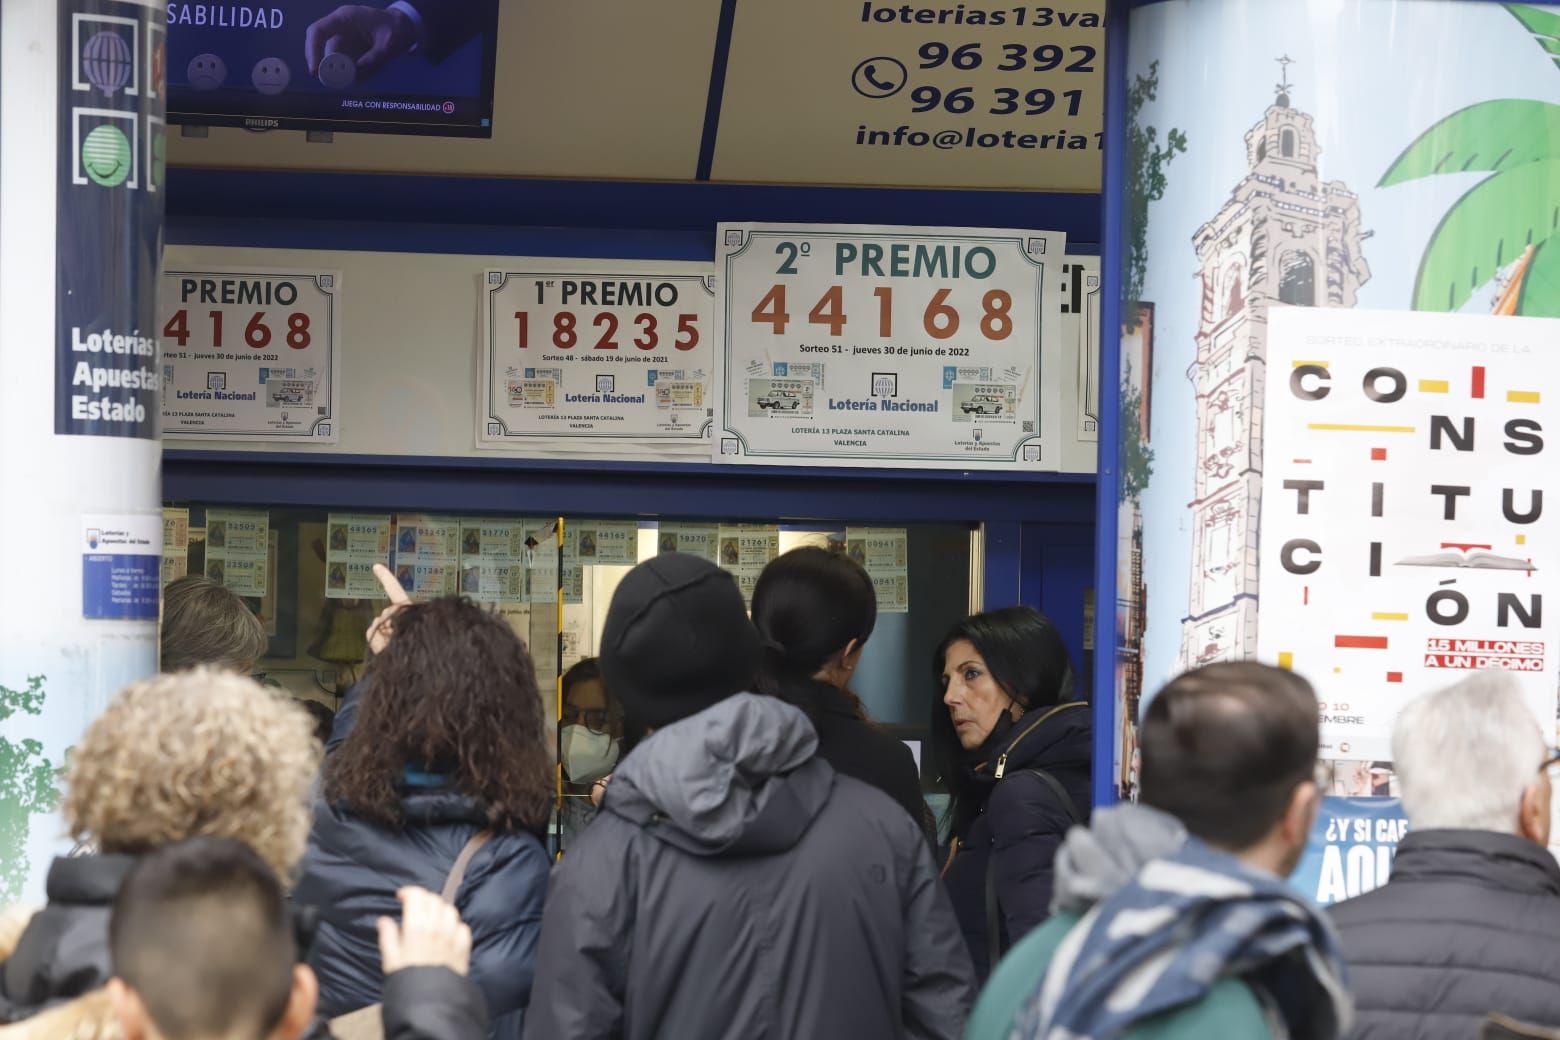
(1404, 540)
(701, 540)
(427, 554)
(607, 541)
(237, 544)
(889, 346)
(1080, 327)
(884, 552)
(175, 544)
(250, 354)
(354, 543)
(492, 559)
(745, 550)
(617, 355)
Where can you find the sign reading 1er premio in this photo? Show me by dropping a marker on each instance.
(250, 355)
(607, 354)
(889, 346)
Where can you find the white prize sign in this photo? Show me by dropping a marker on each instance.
(1081, 327)
(250, 354)
(1405, 544)
(877, 346)
(603, 355)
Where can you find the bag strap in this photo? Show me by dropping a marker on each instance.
(457, 872)
(993, 914)
(993, 905)
(1068, 805)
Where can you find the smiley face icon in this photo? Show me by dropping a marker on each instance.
(337, 71)
(271, 75)
(105, 155)
(207, 72)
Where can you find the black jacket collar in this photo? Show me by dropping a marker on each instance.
(87, 880)
(827, 699)
(1061, 735)
(1486, 858)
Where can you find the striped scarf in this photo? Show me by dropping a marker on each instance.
(1160, 941)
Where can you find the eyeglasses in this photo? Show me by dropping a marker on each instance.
(593, 719)
(1551, 759)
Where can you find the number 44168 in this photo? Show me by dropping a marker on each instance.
(941, 319)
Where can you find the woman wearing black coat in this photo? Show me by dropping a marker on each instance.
(815, 610)
(448, 756)
(1015, 751)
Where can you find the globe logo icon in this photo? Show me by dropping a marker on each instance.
(107, 62)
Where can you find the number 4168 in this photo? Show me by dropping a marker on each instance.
(257, 334)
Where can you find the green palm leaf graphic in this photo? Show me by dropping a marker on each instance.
(1540, 296)
(1489, 136)
(1543, 23)
(1486, 229)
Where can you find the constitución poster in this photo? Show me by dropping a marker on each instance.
(1297, 155)
(1274, 155)
(882, 346)
(1405, 544)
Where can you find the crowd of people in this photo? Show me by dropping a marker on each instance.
(746, 853)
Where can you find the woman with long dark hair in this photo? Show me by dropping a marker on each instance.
(815, 610)
(1014, 749)
(448, 761)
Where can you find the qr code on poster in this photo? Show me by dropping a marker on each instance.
(1029, 426)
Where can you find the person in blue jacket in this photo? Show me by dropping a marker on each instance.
(1014, 748)
(447, 758)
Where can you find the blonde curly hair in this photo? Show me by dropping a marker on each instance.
(203, 752)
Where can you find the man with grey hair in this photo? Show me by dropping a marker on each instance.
(1469, 923)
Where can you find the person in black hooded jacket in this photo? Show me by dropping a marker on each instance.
(815, 610)
(733, 884)
(448, 758)
(1015, 752)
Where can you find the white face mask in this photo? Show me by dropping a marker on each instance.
(588, 756)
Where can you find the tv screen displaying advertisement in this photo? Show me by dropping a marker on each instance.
(408, 67)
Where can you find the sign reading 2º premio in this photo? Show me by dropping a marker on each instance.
(597, 354)
(250, 354)
(881, 346)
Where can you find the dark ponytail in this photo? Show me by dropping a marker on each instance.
(808, 605)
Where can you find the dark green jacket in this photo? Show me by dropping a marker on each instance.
(1231, 1010)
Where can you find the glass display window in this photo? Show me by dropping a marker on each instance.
(307, 573)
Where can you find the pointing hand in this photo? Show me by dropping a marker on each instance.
(379, 632)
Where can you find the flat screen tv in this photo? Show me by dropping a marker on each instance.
(408, 67)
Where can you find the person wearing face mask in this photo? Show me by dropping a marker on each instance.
(1014, 749)
(592, 743)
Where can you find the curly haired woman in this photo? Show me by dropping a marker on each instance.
(449, 743)
(198, 753)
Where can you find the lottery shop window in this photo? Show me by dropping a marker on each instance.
(307, 574)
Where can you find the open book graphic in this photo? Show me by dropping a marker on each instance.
(1480, 560)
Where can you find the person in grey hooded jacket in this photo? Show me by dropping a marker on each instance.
(733, 884)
